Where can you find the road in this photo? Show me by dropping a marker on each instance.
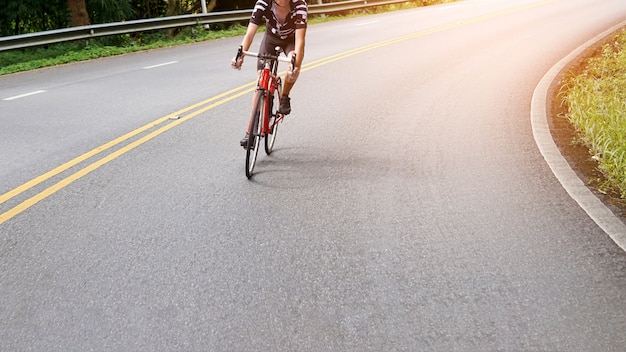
(406, 207)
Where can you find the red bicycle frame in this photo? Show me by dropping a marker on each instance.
(268, 84)
(264, 120)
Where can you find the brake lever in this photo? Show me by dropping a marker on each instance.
(293, 62)
(239, 53)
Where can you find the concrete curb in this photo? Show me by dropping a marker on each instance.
(574, 186)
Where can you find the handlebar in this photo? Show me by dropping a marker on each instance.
(276, 57)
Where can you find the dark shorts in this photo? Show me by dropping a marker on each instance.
(271, 41)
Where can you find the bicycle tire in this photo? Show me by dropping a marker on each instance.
(270, 139)
(254, 138)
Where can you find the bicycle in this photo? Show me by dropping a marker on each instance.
(265, 116)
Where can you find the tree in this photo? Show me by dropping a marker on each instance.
(78, 13)
(14, 15)
(105, 11)
(234, 5)
(172, 7)
(19, 16)
(180, 7)
(211, 5)
(148, 8)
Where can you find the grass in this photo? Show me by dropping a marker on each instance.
(57, 54)
(595, 96)
(62, 53)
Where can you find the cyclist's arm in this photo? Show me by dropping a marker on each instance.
(294, 72)
(245, 44)
(300, 39)
(249, 36)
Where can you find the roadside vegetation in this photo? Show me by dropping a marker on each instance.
(595, 98)
(62, 53)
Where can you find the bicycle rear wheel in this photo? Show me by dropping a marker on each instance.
(273, 118)
(254, 139)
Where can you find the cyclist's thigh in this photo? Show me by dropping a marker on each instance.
(268, 44)
(288, 44)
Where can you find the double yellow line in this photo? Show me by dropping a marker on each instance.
(174, 119)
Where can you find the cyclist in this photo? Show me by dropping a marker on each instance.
(286, 22)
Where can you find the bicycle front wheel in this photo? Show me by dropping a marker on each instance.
(274, 105)
(254, 138)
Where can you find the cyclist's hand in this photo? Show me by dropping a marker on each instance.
(236, 64)
(292, 70)
(293, 74)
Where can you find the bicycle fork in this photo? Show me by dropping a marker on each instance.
(267, 88)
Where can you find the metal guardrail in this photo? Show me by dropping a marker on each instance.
(107, 29)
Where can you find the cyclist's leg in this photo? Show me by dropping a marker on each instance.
(273, 105)
(266, 47)
(252, 147)
(268, 44)
(244, 141)
(289, 46)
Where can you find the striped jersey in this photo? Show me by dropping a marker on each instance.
(295, 19)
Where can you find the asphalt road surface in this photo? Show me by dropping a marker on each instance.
(407, 206)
